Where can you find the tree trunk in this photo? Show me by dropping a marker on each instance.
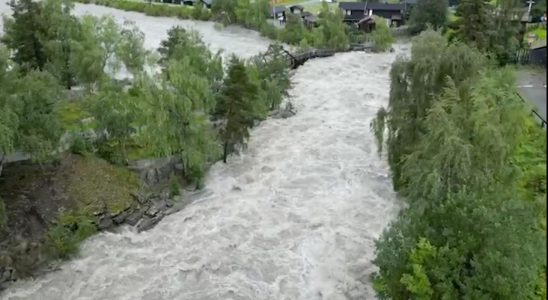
(225, 152)
(2, 156)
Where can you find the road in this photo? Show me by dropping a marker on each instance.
(532, 87)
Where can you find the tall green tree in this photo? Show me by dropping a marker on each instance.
(491, 28)
(236, 106)
(62, 33)
(23, 34)
(428, 12)
(416, 83)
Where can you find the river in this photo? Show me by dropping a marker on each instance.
(294, 217)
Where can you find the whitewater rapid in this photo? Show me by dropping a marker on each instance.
(294, 217)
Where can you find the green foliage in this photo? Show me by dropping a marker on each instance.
(331, 32)
(293, 31)
(489, 28)
(34, 102)
(64, 237)
(62, 34)
(465, 156)
(131, 49)
(416, 83)
(236, 105)
(22, 34)
(381, 37)
(174, 186)
(428, 13)
(270, 74)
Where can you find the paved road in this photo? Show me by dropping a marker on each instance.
(532, 87)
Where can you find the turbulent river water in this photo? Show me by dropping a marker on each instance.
(294, 217)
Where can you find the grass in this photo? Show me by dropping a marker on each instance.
(94, 184)
(70, 114)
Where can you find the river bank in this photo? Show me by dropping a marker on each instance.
(308, 187)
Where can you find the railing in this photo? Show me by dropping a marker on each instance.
(533, 112)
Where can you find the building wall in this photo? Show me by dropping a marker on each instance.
(538, 56)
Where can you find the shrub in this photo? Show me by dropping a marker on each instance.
(174, 186)
(64, 237)
(381, 37)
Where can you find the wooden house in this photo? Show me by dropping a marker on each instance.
(279, 13)
(354, 12)
(296, 9)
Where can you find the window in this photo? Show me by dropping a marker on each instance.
(348, 12)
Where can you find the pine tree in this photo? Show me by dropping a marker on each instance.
(236, 106)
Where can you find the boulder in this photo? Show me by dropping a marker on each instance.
(155, 171)
(134, 217)
(105, 222)
(121, 217)
(146, 223)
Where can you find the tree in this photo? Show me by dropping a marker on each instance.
(270, 73)
(95, 54)
(8, 117)
(382, 37)
(331, 31)
(34, 102)
(130, 49)
(428, 12)
(23, 34)
(416, 83)
(294, 30)
(492, 29)
(62, 33)
(236, 106)
(225, 10)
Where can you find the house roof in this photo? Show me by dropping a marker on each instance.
(368, 19)
(385, 6)
(352, 5)
(207, 2)
(278, 9)
(296, 6)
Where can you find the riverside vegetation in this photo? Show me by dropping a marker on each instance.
(470, 162)
(331, 33)
(62, 106)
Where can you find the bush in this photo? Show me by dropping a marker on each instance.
(381, 37)
(174, 186)
(64, 237)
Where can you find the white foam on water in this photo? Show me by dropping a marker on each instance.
(313, 196)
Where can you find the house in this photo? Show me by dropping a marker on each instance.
(537, 54)
(278, 13)
(207, 3)
(453, 3)
(296, 9)
(353, 11)
(394, 13)
(309, 19)
(356, 11)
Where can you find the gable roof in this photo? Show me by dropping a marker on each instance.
(296, 6)
(352, 5)
(278, 9)
(385, 6)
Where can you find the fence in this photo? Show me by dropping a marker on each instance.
(534, 112)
